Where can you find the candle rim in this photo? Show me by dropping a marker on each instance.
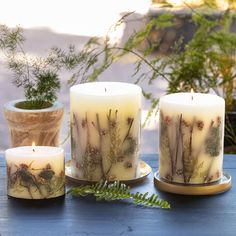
(84, 89)
(169, 98)
(26, 150)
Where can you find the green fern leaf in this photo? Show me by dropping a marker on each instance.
(118, 191)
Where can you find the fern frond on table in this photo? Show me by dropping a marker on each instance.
(118, 191)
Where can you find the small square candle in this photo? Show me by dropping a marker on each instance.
(35, 172)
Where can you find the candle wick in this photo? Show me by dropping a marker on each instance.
(105, 89)
(33, 150)
(192, 97)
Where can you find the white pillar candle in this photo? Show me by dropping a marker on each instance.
(191, 137)
(105, 130)
(35, 172)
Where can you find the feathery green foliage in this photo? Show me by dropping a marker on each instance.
(9, 39)
(118, 191)
(84, 64)
(207, 62)
(38, 76)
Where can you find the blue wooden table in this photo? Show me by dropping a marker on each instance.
(190, 215)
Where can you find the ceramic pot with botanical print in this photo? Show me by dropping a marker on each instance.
(41, 126)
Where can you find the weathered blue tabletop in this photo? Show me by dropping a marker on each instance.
(190, 215)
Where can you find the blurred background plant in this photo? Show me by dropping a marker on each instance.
(217, 4)
(205, 63)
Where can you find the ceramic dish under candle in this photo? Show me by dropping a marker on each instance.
(35, 172)
(144, 171)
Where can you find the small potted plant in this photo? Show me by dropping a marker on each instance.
(36, 118)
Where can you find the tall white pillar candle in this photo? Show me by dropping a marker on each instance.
(35, 172)
(105, 130)
(191, 137)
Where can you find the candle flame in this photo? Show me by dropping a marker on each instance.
(192, 92)
(33, 146)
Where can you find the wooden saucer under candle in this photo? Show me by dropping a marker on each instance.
(223, 185)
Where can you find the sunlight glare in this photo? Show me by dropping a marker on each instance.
(78, 17)
(184, 2)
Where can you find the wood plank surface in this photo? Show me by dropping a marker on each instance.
(190, 215)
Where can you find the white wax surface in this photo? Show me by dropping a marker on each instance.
(91, 98)
(192, 101)
(36, 151)
(201, 106)
(105, 89)
(41, 156)
(102, 96)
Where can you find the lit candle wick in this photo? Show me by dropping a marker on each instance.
(192, 92)
(33, 145)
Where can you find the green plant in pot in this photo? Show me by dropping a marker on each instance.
(36, 118)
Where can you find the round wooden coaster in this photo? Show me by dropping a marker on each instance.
(220, 186)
